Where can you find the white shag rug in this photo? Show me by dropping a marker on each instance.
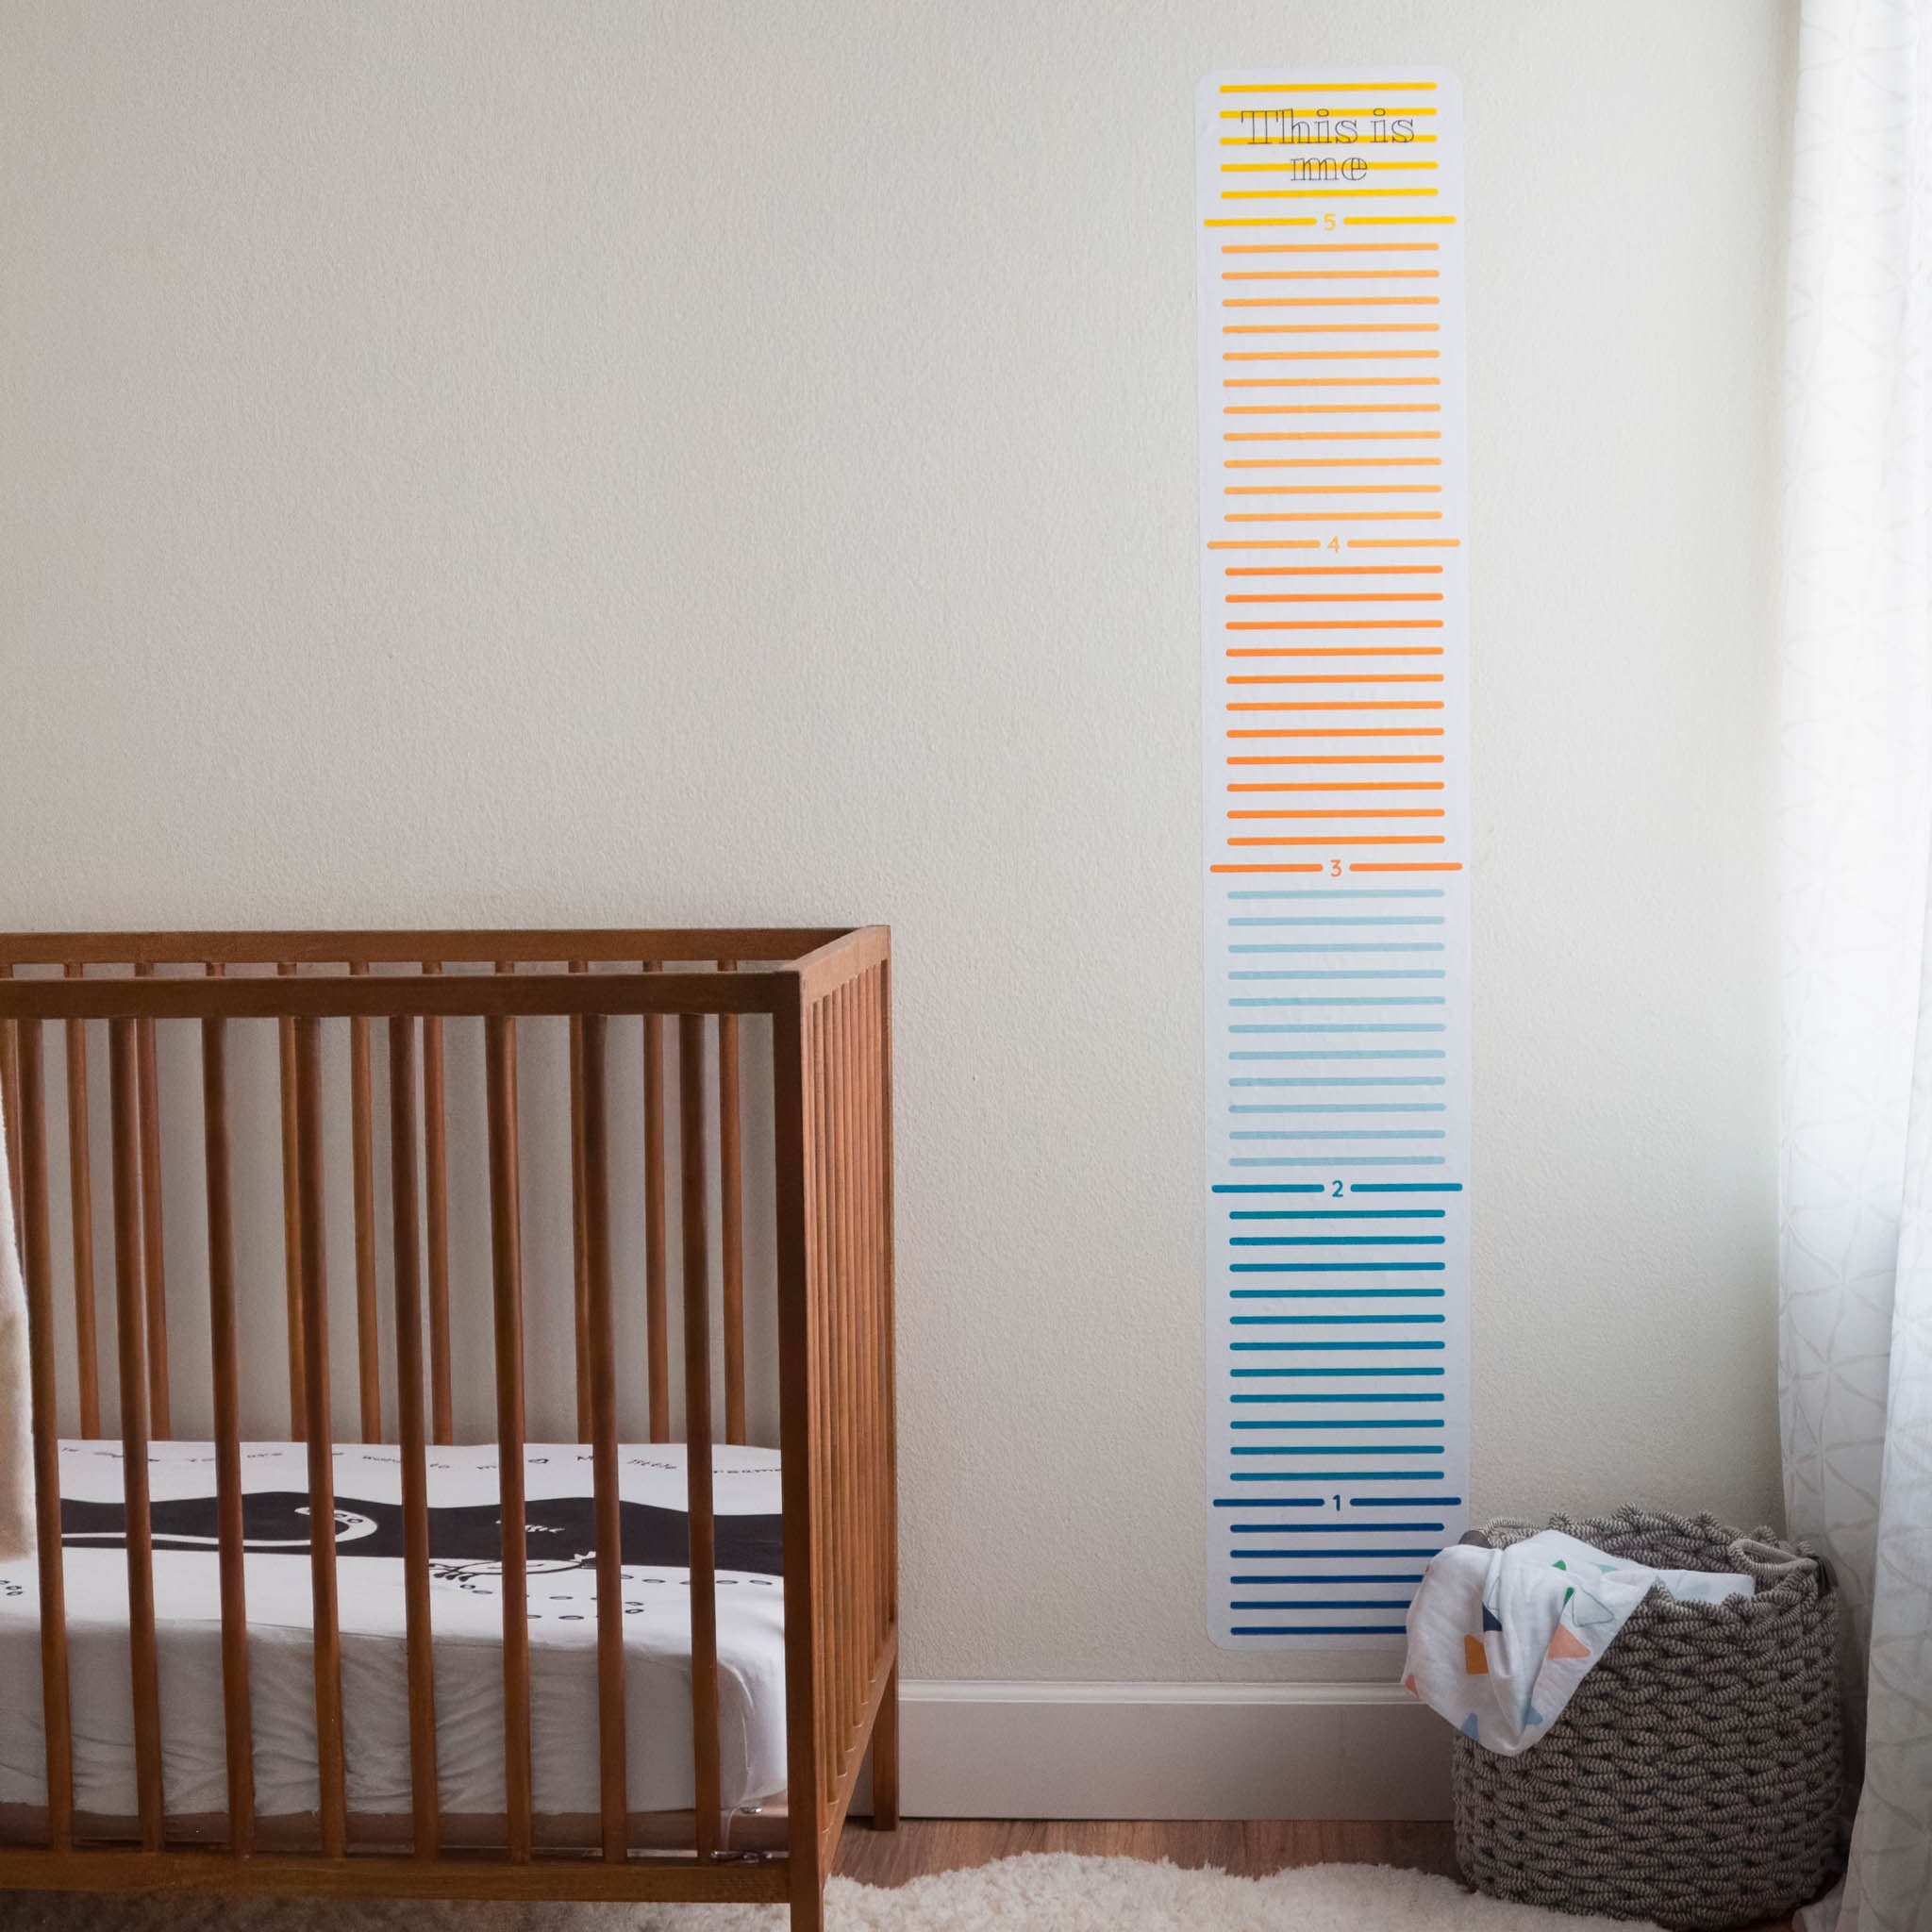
(1053, 1892)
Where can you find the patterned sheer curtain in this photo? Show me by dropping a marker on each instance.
(1856, 1290)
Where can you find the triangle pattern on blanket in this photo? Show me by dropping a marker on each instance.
(1566, 1643)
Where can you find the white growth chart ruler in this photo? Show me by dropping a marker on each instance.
(1335, 692)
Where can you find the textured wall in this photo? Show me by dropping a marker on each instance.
(624, 463)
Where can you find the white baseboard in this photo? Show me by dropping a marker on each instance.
(1045, 1750)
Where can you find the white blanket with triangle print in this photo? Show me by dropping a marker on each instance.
(1499, 1640)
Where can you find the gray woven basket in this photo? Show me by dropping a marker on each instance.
(1694, 1777)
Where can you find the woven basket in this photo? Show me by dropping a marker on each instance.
(1694, 1777)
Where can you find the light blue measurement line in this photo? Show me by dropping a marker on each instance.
(1280, 1107)
(1342, 973)
(1338, 947)
(1336, 892)
(1303, 1134)
(1336, 1054)
(1351, 1030)
(1399, 1503)
(1346, 1421)
(1338, 999)
(1337, 1240)
(1358, 919)
(1337, 1449)
(1330, 1554)
(1404, 1187)
(1339, 1080)
(1360, 1160)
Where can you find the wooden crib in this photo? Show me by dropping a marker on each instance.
(826, 996)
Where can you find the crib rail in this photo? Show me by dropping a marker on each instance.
(827, 995)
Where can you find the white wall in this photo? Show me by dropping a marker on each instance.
(623, 463)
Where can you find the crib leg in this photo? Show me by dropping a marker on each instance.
(885, 1758)
(807, 1897)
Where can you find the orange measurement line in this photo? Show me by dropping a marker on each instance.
(1336, 597)
(1327, 193)
(1423, 865)
(1334, 569)
(1328, 408)
(1352, 516)
(1331, 354)
(1266, 543)
(1303, 164)
(1334, 382)
(1342, 677)
(1349, 623)
(1330, 274)
(1337, 705)
(1397, 221)
(1264, 867)
(1406, 757)
(1331, 301)
(1331, 248)
(1331, 489)
(1379, 839)
(1351, 785)
(1346, 731)
(1361, 812)
(1331, 329)
(1332, 463)
(1334, 651)
(1264, 222)
(1331, 435)
(1405, 542)
(1332, 86)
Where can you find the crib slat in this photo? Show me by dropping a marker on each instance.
(30, 1146)
(424, 1794)
(506, 1248)
(602, 1360)
(155, 1277)
(697, 1437)
(80, 1198)
(436, 1185)
(292, 1225)
(656, 1299)
(579, 1245)
(123, 1059)
(9, 1102)
(227, 1392)
(322, 1475)
(362, 1160)
(731, 1210)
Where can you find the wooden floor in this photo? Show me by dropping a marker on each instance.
(1250, 1850)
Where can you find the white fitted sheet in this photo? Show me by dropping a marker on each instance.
(466, 1620)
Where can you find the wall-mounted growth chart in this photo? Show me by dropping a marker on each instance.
(1335, 701)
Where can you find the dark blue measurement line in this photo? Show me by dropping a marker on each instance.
(1351, 1395)
(1340, 1107)
(1380, 1373)
(1404, 1187)
(1336, 1294)
(1333, 1320)
(1337, 1267)
(1328, 1213)
(1341, 999)
(1267, 1187)
(1344, 1421)
(1318, 1529)
(1338, 1053)
(1332, 1161)
(1344, 1347)
(1275, 1503)
(1399, 1502)
(1344, 1576)
(1327, 972)
(1303, 1136)
(1322, 1603)
(1340, 1081)
(1318, 1629)
(1339, 1449)
(1336, 1240)
(1347, 1476)
(1335, 1027)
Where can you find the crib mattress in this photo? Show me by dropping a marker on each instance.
(466, 1620)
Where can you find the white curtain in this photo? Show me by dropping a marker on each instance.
(1856, 1289)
